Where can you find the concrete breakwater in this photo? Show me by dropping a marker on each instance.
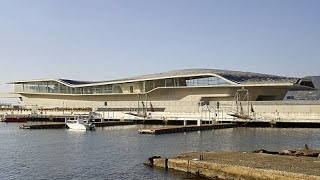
(241, 165)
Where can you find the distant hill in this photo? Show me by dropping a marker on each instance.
(306, 95)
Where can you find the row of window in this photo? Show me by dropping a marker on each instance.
(206, 81)
(137, 87)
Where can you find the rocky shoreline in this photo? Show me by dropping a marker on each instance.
(261, 164)
(294, 152)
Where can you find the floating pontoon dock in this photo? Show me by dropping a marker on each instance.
(63, 125)
(177, 129)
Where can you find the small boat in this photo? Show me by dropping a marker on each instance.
(80, 123)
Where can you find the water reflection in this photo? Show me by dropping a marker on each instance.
(118, 152)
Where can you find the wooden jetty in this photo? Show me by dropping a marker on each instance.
(40, 117)
(63, 125)
(44, 126)
(177, 129)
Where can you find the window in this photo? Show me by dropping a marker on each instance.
(159, 83)
(205, 81)
(169, 83)
(107, 89)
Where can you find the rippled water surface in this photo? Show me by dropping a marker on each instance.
(118, 152)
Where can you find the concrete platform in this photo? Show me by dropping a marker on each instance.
(242, 165)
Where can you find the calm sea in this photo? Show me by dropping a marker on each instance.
(119, 152)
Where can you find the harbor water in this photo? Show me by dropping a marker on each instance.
(119, 152)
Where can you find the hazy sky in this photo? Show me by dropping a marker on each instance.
(107, 39)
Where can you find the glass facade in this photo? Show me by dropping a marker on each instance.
(205, 81)
(133, 87)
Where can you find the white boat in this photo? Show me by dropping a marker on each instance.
(80, 123)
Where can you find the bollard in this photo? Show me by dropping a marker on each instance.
(199, 122)
(184, 122)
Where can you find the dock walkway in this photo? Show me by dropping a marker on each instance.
(177, 129)
(63, 125)
(43, 126)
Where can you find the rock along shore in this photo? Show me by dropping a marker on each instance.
(242, 165)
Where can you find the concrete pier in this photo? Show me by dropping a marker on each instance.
(242, 165)
(177, 129)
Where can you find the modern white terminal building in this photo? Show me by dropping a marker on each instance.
(180, 94)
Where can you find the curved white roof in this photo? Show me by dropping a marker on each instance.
(235, 77)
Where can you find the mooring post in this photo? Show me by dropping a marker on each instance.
(199, 122)
(184, 122)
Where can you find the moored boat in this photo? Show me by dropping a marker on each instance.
(80, 123)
